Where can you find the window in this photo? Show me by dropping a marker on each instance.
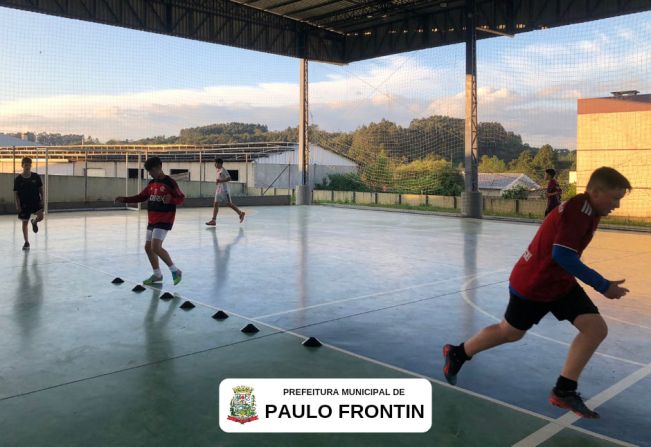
(235, 174)
(180, 174)
(133, 173)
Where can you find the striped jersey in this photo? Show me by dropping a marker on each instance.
(159, 214)
(536, 276)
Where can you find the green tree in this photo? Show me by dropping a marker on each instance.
(545, 158)
(491, 164)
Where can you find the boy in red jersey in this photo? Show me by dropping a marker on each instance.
(162, 195)
(553, 192)
(543, 280)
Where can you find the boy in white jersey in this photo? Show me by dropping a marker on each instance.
(223, 193)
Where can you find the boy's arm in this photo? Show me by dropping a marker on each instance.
(143, 196)
(571, 263)
(177, 196)
(569, 260)
(18, 208)
(41, 197)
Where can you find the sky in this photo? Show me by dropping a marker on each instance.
(67, 76)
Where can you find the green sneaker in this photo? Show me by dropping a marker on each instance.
(177, 276)
(153, 279)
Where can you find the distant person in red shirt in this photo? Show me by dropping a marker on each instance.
(543, 280)
(162, 195)
(554, 191)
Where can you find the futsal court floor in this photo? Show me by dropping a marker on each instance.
(86, 362)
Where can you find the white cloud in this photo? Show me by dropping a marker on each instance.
(528, 84)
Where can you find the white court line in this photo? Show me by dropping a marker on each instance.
(371, 295)
(627, 322)
(551, 429)
(415, 374)
(466, 298)
(550, 420)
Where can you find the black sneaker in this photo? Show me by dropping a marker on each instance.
(453, 363)
(34, 226)
(571, 400)
(26, 246)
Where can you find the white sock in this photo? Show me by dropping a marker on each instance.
(157, 272)
(173, 268)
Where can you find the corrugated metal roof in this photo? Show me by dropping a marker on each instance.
(504, 181)
(6, 140)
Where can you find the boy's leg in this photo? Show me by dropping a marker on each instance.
(215, 210)
(491, 336)
(237, 210)
(521, 314)
(25, 231)
(36, 220)
(592, 331)
(578, 308)
(153, 257)
(157, 247)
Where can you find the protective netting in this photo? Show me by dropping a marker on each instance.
(393, 124)
(534, 110)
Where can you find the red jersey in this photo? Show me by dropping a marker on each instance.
(536, 275)
(555, 200)
(159, 214)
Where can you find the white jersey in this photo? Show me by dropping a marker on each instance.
(222, 191)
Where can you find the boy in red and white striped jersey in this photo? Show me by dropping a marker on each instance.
(162, 194)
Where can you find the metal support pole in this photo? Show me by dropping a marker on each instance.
(303, 190)
(47, 182)
(85, 177)
(14, 158)
(126, 177)
(471, 198)
(246, 174)
(139, 177)
(200, 175)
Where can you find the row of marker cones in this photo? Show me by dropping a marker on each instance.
(311, 342)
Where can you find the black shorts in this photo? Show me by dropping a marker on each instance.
(522, 313)
(27, 211)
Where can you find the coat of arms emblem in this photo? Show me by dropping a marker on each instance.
(243, 405)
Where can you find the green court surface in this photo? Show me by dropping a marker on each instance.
(86, 362)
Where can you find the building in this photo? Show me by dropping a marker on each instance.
(495, 184)
(258, 165)
(616, 132)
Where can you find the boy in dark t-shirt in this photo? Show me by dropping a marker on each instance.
(544, 280)
(162, 195)
(28, 191)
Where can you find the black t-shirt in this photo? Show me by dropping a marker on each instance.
(28, 189)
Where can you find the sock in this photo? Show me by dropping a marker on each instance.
(157, 272)
(461, 352)
(565, 385)
(173, 268)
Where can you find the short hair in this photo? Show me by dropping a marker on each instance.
(26, 160)
(609, 178)
(551, 172)
(153, 162)
(219, 161)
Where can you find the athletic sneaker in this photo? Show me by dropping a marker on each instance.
(571, 400)
(242, 216)
(453, 363)
(211, 223)
(34, 226)
(153, 279)
(177, 276)
(26, 246)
